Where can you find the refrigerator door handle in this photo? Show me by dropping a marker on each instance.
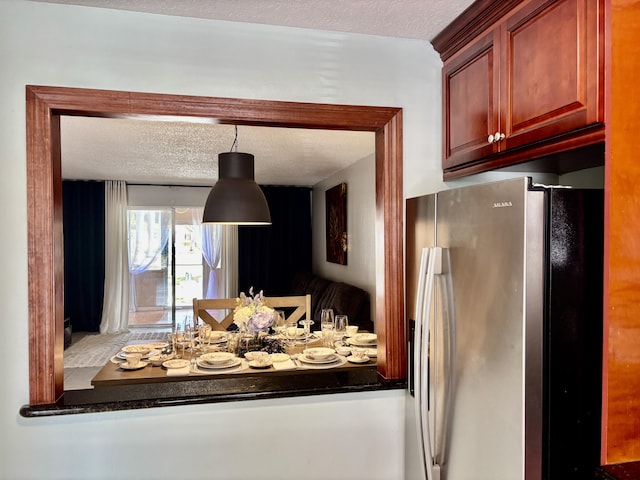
(429, 265)
(418, 365)
(431, 346)
(446, 369)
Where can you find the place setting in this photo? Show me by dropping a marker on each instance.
(217, 362)
(320, 358)
(137, 356)
(363, 340)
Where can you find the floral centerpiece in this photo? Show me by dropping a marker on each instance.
(251, 314)
(253, 319)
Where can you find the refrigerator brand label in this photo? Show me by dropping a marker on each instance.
(502, 204)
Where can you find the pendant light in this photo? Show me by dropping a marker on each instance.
(236, 198)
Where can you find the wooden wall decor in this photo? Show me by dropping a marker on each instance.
(337, 240)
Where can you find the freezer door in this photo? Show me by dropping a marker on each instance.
(494, 234)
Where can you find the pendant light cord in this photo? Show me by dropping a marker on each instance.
(235, 140)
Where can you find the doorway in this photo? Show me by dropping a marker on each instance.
(167, 265)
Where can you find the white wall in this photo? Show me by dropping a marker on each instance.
(361, 215)
(310, 437)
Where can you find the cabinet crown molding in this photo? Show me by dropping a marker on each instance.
(469, 24)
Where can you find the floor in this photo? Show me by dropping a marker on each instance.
(80, 378)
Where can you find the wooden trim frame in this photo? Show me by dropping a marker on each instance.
(44, 204)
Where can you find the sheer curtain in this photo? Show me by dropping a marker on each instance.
(148, 232)
(229, 284)
(219, 248)
(115, 309)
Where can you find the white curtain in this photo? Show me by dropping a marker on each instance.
(115, 307)
(211, 242)
(229, 284)
(219, 247)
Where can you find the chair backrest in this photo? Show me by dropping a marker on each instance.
(203, 308)
(302, 304)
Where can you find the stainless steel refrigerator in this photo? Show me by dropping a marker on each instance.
(504, 302)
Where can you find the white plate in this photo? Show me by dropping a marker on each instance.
(340, 361)
(319, 353)
(371, 352)
(208, 366)
(176, 363)
(280, 357)
(123, 355)
(215, 341)
(370, 338)
(314, 361)
(364, 359)
(126, 366)
(217, 358)
(356, 343)
(254, 364)
(157, 345)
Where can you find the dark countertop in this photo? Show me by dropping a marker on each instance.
(197, 391)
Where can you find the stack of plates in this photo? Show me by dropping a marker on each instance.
(363, 340)
(368, 341)
(146, 351)
(218, 361)
(217, 337)
(330, 361)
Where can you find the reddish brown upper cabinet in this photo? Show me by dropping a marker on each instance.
(521, 80)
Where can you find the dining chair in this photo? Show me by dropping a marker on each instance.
(205, 308)
(210, 309)
(302, 304)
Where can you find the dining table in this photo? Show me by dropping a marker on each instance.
(291, 373)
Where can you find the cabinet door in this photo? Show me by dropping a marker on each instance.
(470, 102)
(551, 72)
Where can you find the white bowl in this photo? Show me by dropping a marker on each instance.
(215, 335)
(158, 360)
(217, 358)
(366, 338)
(344, 351)
(144, 349)
(319, 353)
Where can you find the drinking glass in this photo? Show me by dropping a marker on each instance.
(278, 321)
(178, 336)
(340, 329)
(291, 330)
(307, 329)
(171, 338)
(326, 325)
(204, 337)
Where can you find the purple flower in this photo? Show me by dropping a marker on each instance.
(260, 321)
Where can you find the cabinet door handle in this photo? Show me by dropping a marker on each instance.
(496, 137)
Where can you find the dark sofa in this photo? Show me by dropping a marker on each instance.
(343, 298)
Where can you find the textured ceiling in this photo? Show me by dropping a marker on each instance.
(186, 153)
(421, 19)
(180, 153)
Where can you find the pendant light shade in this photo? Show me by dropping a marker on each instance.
(236, 198)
